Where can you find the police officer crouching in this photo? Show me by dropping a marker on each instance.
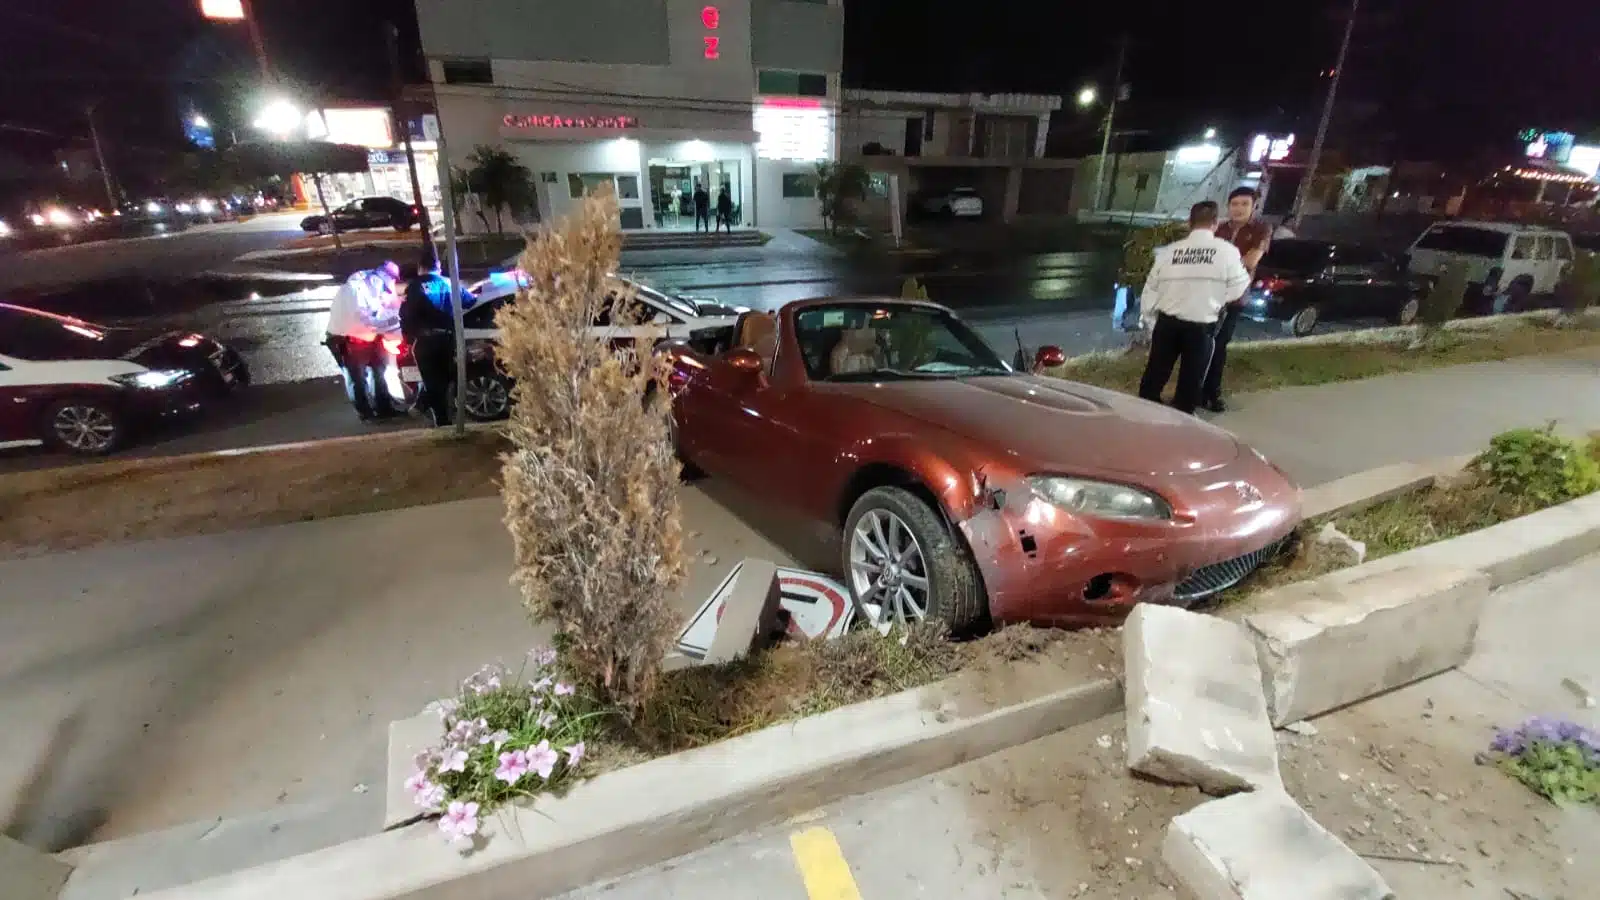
(427, 322)
(1192, 280)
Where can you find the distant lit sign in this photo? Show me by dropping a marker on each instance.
(1199, 153)
(571, 122)
(386, 157)
(711, 18)
(1271, 149)
(364, 127)
(1585, 159)
(794, 128)
(225, 10)
(1554, 146)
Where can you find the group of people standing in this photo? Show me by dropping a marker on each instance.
(702, 208)
(374, 304)
(1194, 297)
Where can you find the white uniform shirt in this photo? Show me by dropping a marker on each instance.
(1193, 279)
(359, 309)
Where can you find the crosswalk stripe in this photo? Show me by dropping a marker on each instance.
(822, 865)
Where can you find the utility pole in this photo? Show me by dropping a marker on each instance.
(402, 124)
(256, 40)
(1111, 114)
(446, 189)
(100, 155)
(1310, 178)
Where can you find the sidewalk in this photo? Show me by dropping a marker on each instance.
(228, 673)
(1394, 777)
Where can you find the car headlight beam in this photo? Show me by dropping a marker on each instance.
(1100, 499)
(152, 380)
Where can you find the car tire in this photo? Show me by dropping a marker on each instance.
(1302, 323)
(1519, 294)
(84, 426)
(488, 396)
(925, 548)
(1407, 313)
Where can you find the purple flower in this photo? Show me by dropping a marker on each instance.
(452, 759)
(575, 755)
(468, 732)
(545, 720)
(543, 684)
(486, 679)
(498, 739)
(513, 766)
(444, 709)
(542, 759)
(460, 822)
(542, 656)
(418, 783)
(430, 798)
(565, 690)
(426, 758)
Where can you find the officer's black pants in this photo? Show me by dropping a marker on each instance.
(436, 363)
(1211, 390)
(1185, 344)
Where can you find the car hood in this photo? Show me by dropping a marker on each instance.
(1053, 425)
(158, 350)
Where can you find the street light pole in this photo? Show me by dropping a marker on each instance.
(1310, 177)
(100, 155)
(403, 125)
(1111, 113)
(445, 189)
(256, 40)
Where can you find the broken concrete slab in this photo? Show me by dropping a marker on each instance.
(407, 738)
(1263, 846)
(1196, 712)
(749, 617)
(29, 874)
(1357, 492)
(1330, 641)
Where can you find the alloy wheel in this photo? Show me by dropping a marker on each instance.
(1304, 322)
(887, 567)
(86, 429)
(1408, 312)
(487, 397)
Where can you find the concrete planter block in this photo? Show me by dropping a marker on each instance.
(1362, 490)
(750, 614)
(1196, 714)
(1331, 641)
(1263, 846)
(407, 738)
(29, 874)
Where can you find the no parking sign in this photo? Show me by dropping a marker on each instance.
(818, 607)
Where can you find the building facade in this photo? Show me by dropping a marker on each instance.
(649, 97)
(935, 142)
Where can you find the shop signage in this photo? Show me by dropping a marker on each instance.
(386, 157)
(571, 122)
(711, 18)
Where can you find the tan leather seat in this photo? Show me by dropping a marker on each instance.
(857, 351)
(759, 332)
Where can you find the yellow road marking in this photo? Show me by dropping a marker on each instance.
(822, 865)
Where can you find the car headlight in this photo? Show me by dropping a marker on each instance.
(1101, 499)
(153, 380)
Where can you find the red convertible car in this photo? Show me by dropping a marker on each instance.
(963, 490)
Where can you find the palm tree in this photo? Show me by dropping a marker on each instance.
(502, 183)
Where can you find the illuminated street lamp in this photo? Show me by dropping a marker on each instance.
(280, 118)
(1088, 96)
(199, 121)
(1211, 134)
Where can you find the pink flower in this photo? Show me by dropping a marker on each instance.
(545, 720)
(444, 709)
(542, 656)
(498, 739)
(426, 758)
(575, 755)
(542, 759)
(565, 690)
(543, 684)
(460, 822)
(418, 783)
(430, 798)
(513, 766)
(452, 760)
(468, 732)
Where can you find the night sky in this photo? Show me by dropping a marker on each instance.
(1440, 79)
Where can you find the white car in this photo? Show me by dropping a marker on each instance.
(488, 395)
(962, 203)
(1507, 263)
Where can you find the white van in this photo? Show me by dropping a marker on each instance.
(1503, 259)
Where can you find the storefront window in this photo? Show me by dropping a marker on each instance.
(783, 83)
(628, 187)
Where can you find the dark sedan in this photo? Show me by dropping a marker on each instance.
(367, 212)
(1303, 282)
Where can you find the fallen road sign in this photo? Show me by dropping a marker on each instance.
(818, 608)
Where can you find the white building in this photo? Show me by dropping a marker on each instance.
(649, 96)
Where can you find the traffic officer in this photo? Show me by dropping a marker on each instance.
(362, 311)
(428, 323)
(1192, 280)
(1252, 237)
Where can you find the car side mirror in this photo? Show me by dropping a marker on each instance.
(1049, 358)
(745, 361)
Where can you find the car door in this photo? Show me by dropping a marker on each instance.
(1349, 285)
(19, 411)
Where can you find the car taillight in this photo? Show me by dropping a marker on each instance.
(1272, 284)
(392, 344)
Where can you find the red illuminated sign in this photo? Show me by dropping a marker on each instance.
(711, 17)
(571, 122)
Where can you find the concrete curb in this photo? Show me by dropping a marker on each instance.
(28, 874)
(645, 814)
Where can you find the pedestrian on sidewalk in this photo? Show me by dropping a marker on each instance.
(363, 309)
(702, 206)
(1190, 283)
(725, 208)
(427, 320)
(1252, 238)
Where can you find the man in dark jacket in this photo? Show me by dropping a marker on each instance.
(725, 208)
(1252, 237)
(427, 320)
(702, 206)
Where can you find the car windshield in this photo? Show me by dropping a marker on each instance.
(867, 342)
(1465, 240)
(1296, 256)
(42, 337)
(677, 304)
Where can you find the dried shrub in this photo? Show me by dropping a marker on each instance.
(591, 484)
(1441, 303)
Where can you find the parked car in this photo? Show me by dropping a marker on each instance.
(963, 490)
(961, 203)
(1303, 282)
(488, 396)
(367, 212)
(1508, 264)
(85, 389)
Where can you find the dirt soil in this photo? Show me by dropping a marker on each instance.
(80, 506)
